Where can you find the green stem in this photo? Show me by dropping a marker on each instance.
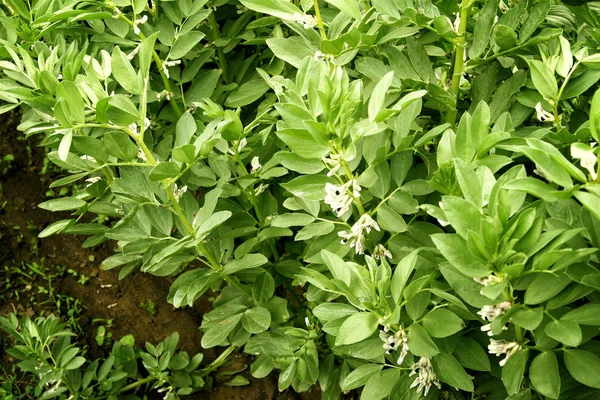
(319, 20)
(136, 384)
(214, 27)
(350, 176)
(557, 120)
(218, 361)
(459, 58)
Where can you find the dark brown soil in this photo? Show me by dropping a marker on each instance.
(24, 184)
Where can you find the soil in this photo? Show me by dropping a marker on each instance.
(24, 183)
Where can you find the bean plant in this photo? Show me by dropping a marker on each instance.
(398, 198)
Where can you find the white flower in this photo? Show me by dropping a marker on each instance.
(93, 180)
(133, 127)
(239, 145)
(338, 198)
(320, 56)
(394, 342)
(333, 161)
(500, 347)
(261, 188)
(85, 157)
(426, 376)
(456, 25)
(307, 21)
(172, 63)
(138, 22)
(179, 192)
(255, 164)
(586, 157)
(490, 280)
(165, 93)
(358, 232)
(381, 252)
(490, 313)
(503, 7)
(141, 155)
(543, 115)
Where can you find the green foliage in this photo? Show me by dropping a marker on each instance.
(420, 177)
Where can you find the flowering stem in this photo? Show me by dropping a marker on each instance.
(351, 177)
(459, 58)
(319, 20)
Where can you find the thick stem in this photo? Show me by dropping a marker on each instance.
(222, 359)
(319, 20)
(459, 58)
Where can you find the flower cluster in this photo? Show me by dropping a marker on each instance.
(307, 21)
(490, 313)
(138, 22)
(426, 376)
(255, 164)
(489, 280)
(357, 234)
(587, 158)
(501, 347)
(381, 252)
(179, 192)
(391, 343)
(339, 198)
(333, 162)
(320, 56)
(167, 64)
(543, 115)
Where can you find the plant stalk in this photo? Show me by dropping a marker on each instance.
(319, 20)
(459, 58)
(214, 27)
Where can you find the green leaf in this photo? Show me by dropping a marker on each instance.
(455, 250)
(543, 79)
(246, 262)
(483, 28)
(390, 220)
(590, 201)
(217, 335)
(247, 93)
(449, 370)
(584, 367)
(121, 111)
(308, 187)
(68, 92)
(292, 219)
(332, 311)
(360, 376)
(381, 385)
(567, 332)
(377, 99)
(184, 44)
(56, 227)
(164, 170)
(118, 144)
(291, 50)
(62, 204)
(536, 16)
(528, 318)
(471, 354)
(544, 287)
(504, 37)
(315, 229)
(349, 7)
(544, 374)
(419, 342)
(356, 328)
(441, 323)
(587, 314)
(513, 370)
(401, 274)
(124, 73)
(65, 145)
(146, 51)
(256, 320)
(280, 9)
(306, 166)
